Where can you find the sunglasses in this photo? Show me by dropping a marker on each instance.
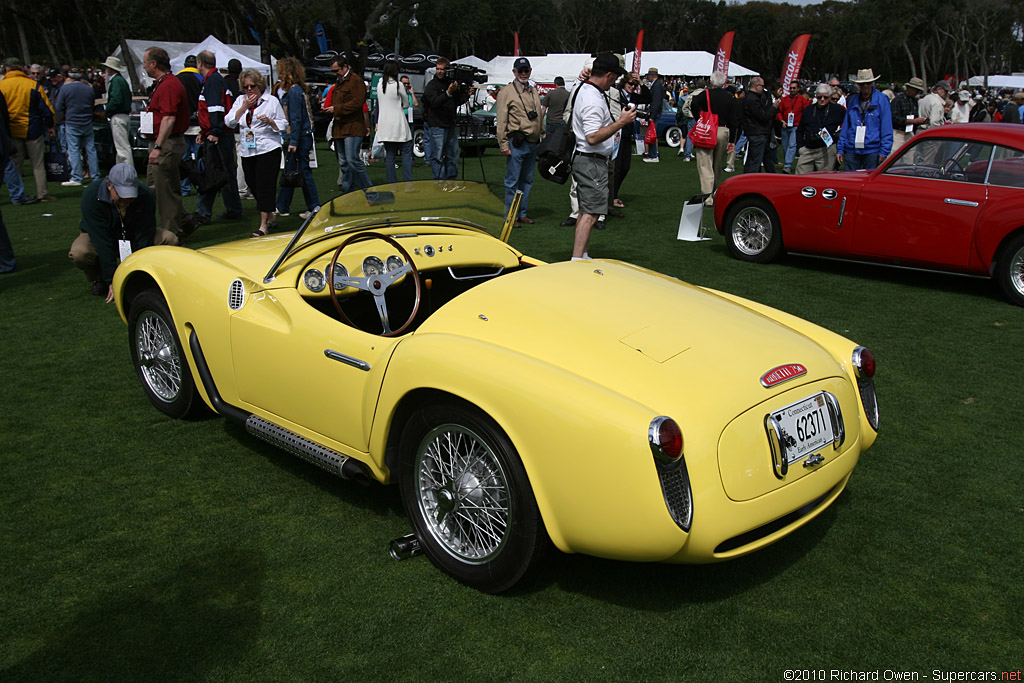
(250, 86)
(524, 71)
(824, 97)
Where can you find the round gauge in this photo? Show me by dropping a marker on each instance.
(340, 271)
(314, 280)
(372, 266)
(393, 263)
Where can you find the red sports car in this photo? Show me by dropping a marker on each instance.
(951, 199)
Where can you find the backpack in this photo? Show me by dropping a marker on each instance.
(555, 152)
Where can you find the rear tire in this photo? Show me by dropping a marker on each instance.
(419, 149)
(752, 230)
(1009, 271)
(158, 357)
(468, 497)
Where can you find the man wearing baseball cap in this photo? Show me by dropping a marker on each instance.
(594, 129)
(118, 218)
(519, 131)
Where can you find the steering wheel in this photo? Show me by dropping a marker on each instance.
(375, 284)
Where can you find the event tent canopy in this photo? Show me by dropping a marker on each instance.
(568, 65)
(174, 49)
(224, 54)
(1015, 82)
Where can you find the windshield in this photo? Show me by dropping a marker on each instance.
(441, 202)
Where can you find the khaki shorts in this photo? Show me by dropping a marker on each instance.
(591, 175)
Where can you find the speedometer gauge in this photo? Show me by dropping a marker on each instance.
(394, 263)
(340, 271)
(314, 280)
(372, 266)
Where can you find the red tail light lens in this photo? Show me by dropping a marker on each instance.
(864, 362)
(666, 439)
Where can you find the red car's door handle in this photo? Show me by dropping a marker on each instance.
(960, 202)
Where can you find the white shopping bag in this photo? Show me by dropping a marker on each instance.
(640, 146)
(690, 228)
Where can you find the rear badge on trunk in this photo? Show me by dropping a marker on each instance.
(782, 373)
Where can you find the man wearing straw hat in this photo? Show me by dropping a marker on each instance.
(866, 137)
(119, 107)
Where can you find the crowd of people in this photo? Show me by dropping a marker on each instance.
(262, 135)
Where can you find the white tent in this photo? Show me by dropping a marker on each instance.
(1015, 82)
(568, 65)
(685, 63)
(174, 49)
(223, 52)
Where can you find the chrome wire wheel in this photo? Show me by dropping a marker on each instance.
(752, 231)
(463, 493)
(1017, 272)
(158, 356)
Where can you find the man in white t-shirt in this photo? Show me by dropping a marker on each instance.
(594, 129)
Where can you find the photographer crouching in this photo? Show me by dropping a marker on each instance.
(441, 97)
(519, 131)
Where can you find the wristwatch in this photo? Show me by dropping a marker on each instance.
(156, 146)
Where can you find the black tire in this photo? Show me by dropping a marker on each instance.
(444, 491)
(419, 149)
(1009, 272)
(673, 136)
(158, 357)
(752, 230)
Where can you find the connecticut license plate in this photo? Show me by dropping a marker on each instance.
(806, 427)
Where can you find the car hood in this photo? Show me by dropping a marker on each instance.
(661, 342)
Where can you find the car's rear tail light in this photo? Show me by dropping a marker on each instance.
(864, 362)
(864, 365)
(666, 439)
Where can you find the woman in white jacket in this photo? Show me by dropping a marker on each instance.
(392, 126)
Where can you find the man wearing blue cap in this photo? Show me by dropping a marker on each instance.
(118, 218)
(519, 131)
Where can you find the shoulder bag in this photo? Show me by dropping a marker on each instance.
(705, 131)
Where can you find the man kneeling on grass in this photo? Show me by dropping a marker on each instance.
(118, 218)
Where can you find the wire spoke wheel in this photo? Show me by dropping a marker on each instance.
(463, 493)
(753, 231)
(159, 356)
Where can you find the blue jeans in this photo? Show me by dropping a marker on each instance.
(519, 174)
(353, 172)
(191, 147)
(232, 204)
(299, 159)
(688, 147)
(6, 250)
(79, 137)
(788, 146)
(391, 150)
(15, 186)
(443, 152)
(859, 161)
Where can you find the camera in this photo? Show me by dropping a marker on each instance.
(465, 75)
(532, 115)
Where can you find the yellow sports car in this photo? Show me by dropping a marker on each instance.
(594, 405)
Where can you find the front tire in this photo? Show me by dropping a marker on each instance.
(419, 142)
(673, 136)
(158, 357)
(752, 230)
(468, 497)
(1009, 271)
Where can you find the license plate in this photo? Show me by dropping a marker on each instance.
(805, 427)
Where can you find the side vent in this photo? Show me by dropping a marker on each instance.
(236, 295)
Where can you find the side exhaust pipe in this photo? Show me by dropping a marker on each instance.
(405, 547)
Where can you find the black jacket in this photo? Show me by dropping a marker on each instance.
(758, 113)
(1011, 114)
(657, 97)
(438, 107)
(814, 119)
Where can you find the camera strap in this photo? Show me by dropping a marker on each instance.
(516, 88)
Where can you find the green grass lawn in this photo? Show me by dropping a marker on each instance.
(138, 548)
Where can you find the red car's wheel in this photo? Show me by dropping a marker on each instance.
(752, 230)
(1009, 271)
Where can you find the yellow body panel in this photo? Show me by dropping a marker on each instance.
(571, 360)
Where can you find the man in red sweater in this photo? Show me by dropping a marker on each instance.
(791, 107)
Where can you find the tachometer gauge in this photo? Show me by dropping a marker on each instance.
(393, 263)
(314, 280)
(372, 266)
(340, 271)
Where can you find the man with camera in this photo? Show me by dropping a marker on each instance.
(441, 97)
(519, 131)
